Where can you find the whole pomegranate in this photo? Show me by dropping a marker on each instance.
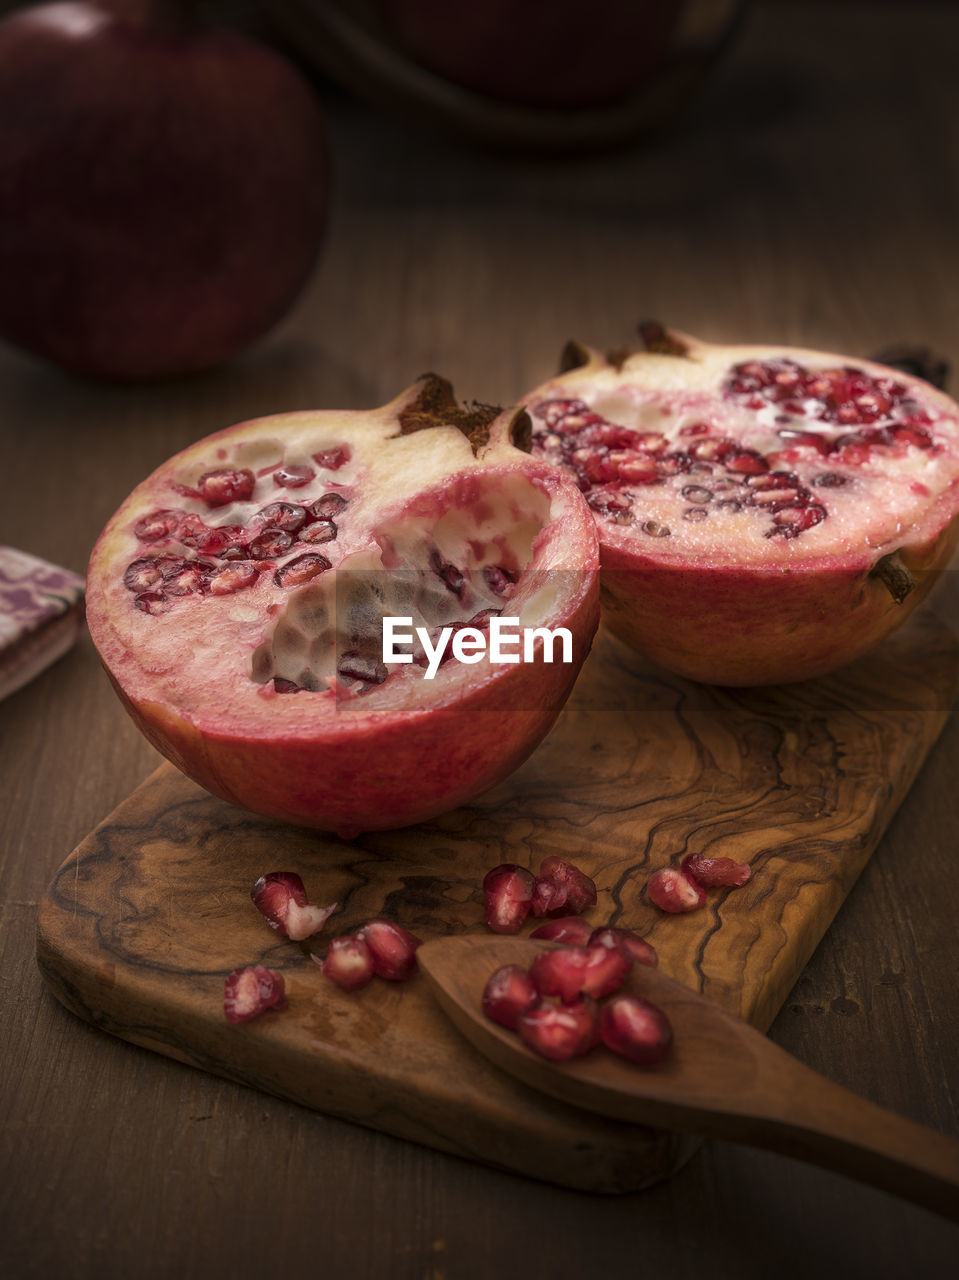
(536, 52)
(239, 599)
(765, 513)
(538, 74)
(163, 187)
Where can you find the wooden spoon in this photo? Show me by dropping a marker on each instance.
(723, 1079)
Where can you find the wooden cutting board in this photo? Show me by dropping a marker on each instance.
(147, 916)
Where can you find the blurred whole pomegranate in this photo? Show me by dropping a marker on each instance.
(163, 186)
(548, 75)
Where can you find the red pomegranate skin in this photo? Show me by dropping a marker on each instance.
(162, 191)
(404, 751)
(537, 53)
(777, 610)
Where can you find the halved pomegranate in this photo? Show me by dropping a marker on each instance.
(238, 597)
(766, 514)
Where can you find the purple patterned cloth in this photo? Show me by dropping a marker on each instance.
(41, 614)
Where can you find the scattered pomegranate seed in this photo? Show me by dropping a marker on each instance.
(636, 1029)
(281, 898)
(549, 897)
(580, 889)
(712, 872)
(217, 488)
(393, 949)
(637, 948)
(508, 890)
(560, 1031)
(509, 992)
(569, 972)
(348, 962)
(251, 991)
(571, 929)
(672, 890)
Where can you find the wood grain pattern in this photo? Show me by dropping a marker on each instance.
(147, 916)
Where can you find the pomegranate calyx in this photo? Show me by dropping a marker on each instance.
(660, 340)
(894, 576)
(435, 405)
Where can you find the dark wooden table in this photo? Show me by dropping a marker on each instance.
(812, 196)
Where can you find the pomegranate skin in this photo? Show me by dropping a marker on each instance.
(762, 604)
(162, 191)
(212, 680)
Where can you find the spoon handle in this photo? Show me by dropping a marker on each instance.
(799, 1112)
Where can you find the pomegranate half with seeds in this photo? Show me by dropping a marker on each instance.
(766, 514)
(238, 597)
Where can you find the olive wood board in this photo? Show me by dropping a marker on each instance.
(146, 917)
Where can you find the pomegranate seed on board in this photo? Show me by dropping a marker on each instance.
(509, 992)
(280, 896)
(713, 872)
(636, 1029)
(251, 991)
(348, 962)
(393, 949)
(508, 890)
(672, 890)
(580, 888)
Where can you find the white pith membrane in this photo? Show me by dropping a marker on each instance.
(425, 529)
(814, 478)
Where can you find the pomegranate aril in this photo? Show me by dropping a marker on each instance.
(348, 962)
(570, 972)
(218, 488)
(830, 480)
(332, 459)
(508, 891)
(301, 569)
(285, 686)
(317, 532)
(560, 1031)
(711, 872)
(280, 897)
(746, 462)
(153, 603)
(696, 493)
(580, 888)
(549, 897)
(191, 577)
(672, 890)
(637, 948)
(331, 504)
(144, 573)
(157, 525)
(636, 1029)
(573, 930)
(393, 949)
(279, 515)
(269, 544)
(233, 578)
(250, 991)
(509, 992)
(452, 577)
(293, 477)
(654, 529)
(790, 522)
